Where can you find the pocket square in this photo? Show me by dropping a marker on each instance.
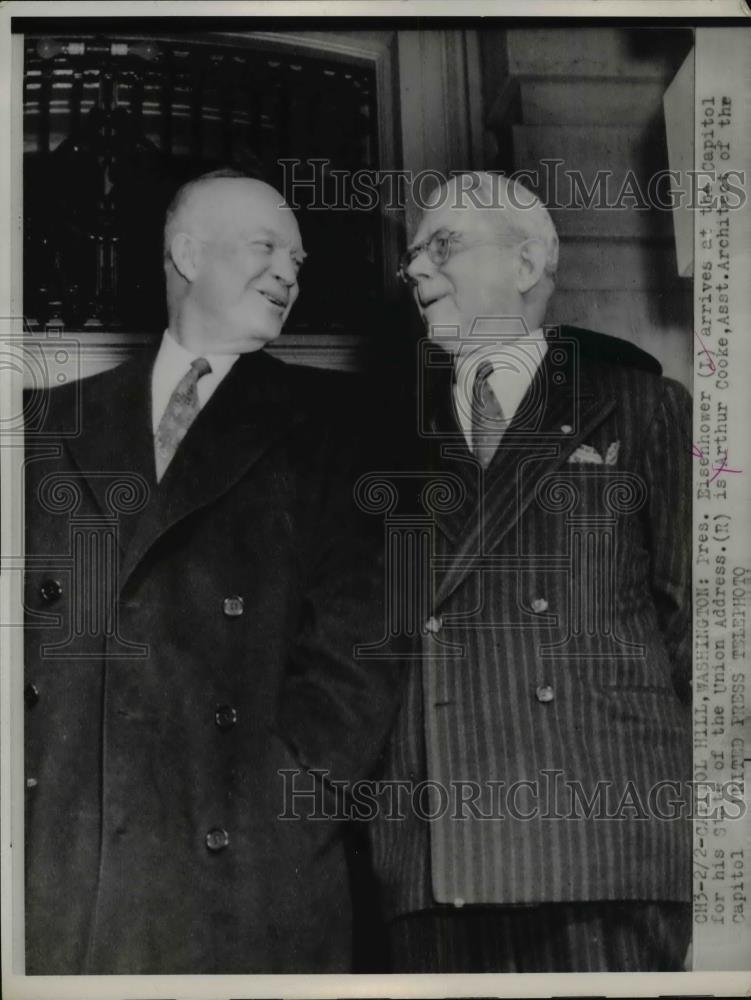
(586, 454)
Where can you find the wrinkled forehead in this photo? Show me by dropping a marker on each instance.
(448, 210)
(273, 219)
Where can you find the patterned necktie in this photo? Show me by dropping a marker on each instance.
(488, 420)
(182, 409)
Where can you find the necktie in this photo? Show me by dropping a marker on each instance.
(488, 420)
(182, 409)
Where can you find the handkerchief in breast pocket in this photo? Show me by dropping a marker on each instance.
(585, 454)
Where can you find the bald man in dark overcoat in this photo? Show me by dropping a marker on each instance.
(198, 580)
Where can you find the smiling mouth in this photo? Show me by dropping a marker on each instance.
(279, 303)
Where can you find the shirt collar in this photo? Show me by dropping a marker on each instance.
(172, 362)
(515, 363)
(178, 359)
(518, 358)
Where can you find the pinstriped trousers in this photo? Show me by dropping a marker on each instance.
(554, 937)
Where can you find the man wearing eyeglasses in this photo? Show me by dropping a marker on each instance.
(545, 732)
(197, 581)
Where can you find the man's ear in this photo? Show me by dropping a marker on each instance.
(530, 264)
(185, 254)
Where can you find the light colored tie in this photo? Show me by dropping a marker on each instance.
(488, 420)
(181, 411)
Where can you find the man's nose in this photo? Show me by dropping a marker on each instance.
(421, 266)
(283, 267)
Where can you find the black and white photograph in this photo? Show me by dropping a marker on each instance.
(375, 552)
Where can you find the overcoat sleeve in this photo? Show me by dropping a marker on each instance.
(337, 705)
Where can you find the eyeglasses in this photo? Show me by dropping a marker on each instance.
(439, 248)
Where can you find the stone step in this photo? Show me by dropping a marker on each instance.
(617, 264)
(588, 102)
(597, 52)
(658, 323)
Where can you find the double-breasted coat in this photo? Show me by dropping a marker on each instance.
(546, 724)
(186, 642)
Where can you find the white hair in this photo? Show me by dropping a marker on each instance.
(519, 214)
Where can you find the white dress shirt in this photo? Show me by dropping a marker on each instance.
(515, 364)
(172, 362)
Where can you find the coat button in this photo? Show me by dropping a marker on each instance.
(51, 590)
(434, 624)
(233, 606)
(31, 695)
(544, 693)
(225, 716)
(217, 839)
(539, 605)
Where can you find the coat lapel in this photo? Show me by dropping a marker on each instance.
(251, 408)
(560, 410)
(114, 447)
(447, 453)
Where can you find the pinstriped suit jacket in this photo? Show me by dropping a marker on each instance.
(552, 704)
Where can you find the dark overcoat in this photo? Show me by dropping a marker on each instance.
(185, 643)
(548, 703)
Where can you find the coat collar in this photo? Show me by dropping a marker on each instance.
(252, 407)
(447, 455)
(113, 449)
